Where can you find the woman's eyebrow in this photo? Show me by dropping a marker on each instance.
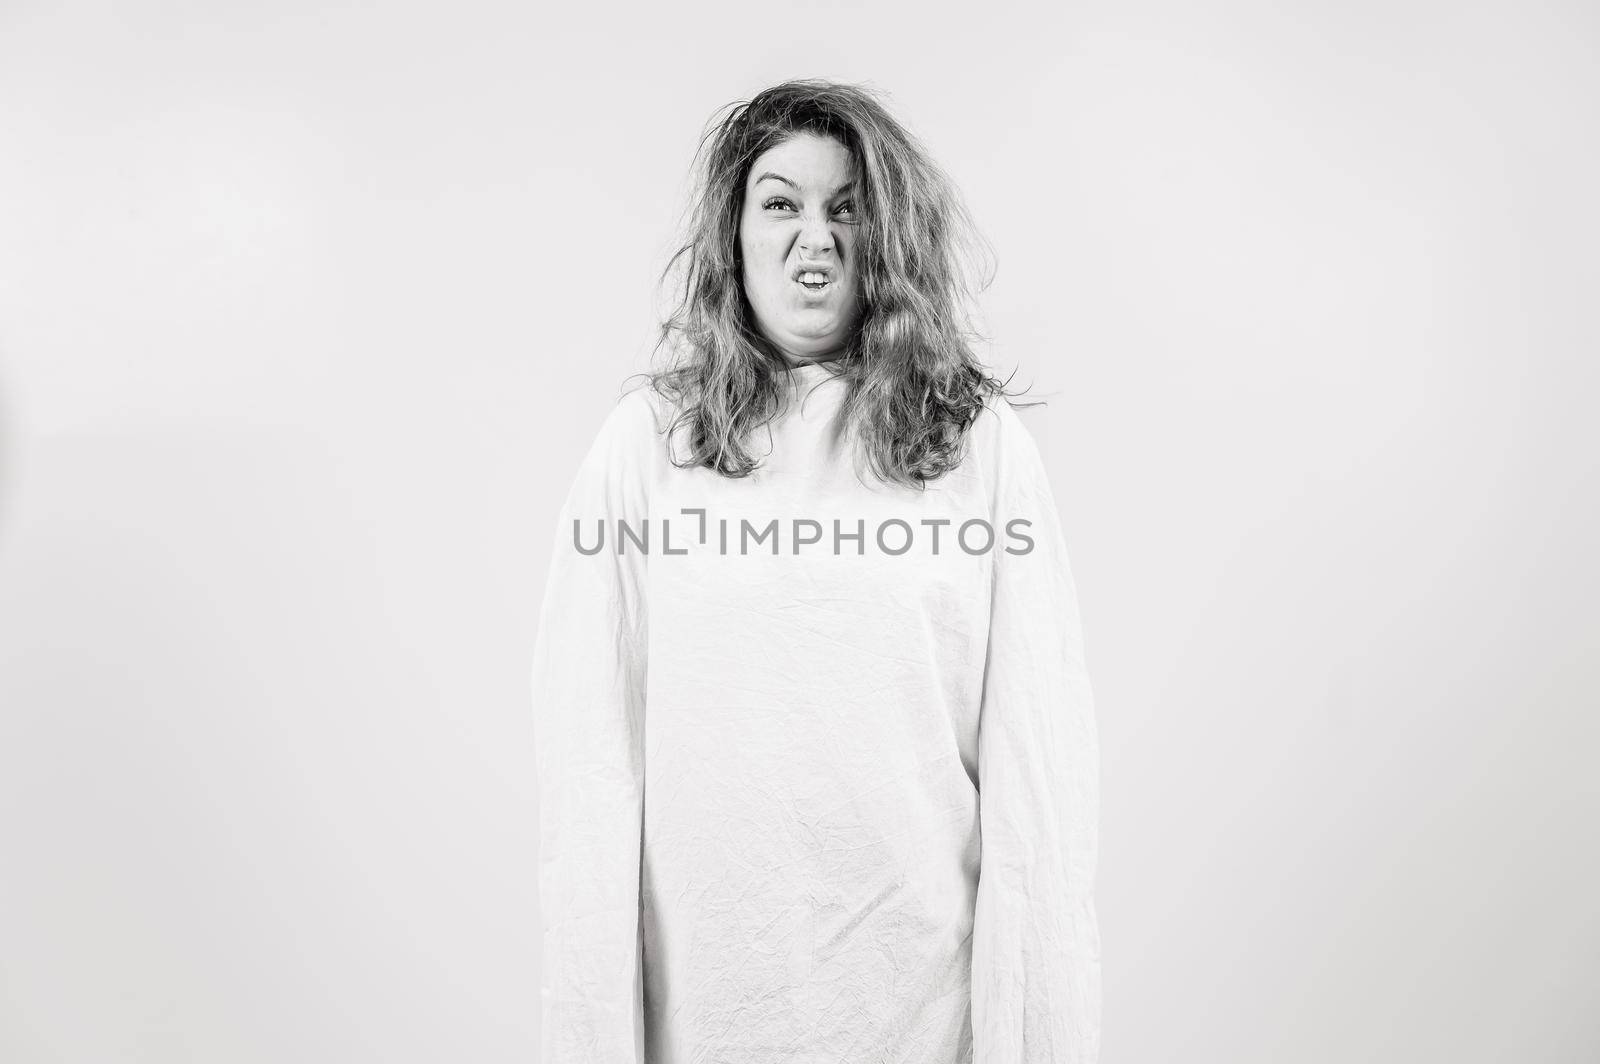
(770, 176)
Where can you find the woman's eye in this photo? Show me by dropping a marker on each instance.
(848, 207)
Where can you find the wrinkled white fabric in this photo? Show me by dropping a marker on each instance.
(814, 806)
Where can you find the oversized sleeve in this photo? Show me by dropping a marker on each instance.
(1036, 942)
(588, 682)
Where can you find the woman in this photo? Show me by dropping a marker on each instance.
(817, 752)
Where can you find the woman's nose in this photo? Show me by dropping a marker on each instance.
(815, 237)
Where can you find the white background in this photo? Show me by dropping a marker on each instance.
(308, 311)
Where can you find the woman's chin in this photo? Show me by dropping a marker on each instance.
(810, 345)
(816, 326)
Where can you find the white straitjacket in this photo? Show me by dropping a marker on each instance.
(818, 773)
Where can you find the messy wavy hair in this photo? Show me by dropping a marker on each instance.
(914, 383)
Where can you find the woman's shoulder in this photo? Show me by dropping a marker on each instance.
(1000, 427)
(639, 414)
(630, 440)
(1002, 449)
(997, 414)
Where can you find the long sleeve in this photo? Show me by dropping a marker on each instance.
(1036, 945)
(588, 707)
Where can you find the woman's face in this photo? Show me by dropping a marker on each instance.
(797, 237)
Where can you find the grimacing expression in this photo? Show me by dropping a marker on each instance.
(797, 240)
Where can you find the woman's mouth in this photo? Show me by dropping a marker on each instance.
(813, 282)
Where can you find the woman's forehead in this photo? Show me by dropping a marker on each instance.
(805, 160)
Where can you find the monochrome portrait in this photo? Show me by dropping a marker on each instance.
(877, 534)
